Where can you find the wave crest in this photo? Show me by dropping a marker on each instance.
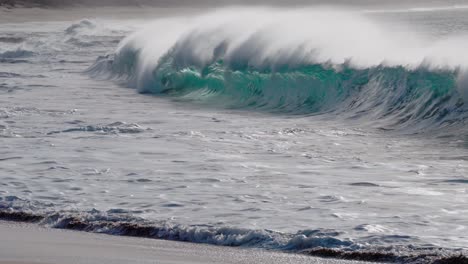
(300, 62)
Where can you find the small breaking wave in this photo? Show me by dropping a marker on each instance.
(15, 40)
(16, 53)
(114, 128)
(80, 26)
(9, 75)
(321, 243)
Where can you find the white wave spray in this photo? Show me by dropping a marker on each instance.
(271, 38)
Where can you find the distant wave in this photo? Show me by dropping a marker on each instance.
(17, 52)
(420, 9)
(8, 39)
(382, 5)
(298, 62)
(122, 3)
(52, 3)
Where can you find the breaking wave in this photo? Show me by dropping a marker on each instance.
(298, 62)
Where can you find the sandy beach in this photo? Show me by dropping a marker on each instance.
(32, 244)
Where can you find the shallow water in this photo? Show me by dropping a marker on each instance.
(92, 147)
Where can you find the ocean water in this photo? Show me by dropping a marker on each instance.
(284, 129)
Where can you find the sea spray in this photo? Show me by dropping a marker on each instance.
(298, 62)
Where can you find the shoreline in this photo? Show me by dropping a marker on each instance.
(148, 235)
(28, 243)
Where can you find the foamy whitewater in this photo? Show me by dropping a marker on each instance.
(284, 129)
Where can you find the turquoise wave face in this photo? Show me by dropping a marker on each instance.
(394, 97)
(399, 95)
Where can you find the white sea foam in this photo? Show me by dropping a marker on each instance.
(270, 38)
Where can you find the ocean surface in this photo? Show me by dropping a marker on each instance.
(282, 129)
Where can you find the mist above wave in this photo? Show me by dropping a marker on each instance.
(275, 39)
(271, 38)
